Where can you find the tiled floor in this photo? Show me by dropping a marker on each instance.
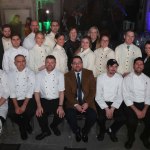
(11, 135)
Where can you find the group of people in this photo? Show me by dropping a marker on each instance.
(48, 75)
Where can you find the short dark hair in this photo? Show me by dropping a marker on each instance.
(104, 34)
(74, 57)
(147, 42)
(19, 55)
(129, 30)
(6, 26)
(58, 35)
(15, 34)
(138, 59)
(50, 57)
(55, 21)
(73, 27)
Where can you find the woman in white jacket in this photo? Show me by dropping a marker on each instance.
(87, 54)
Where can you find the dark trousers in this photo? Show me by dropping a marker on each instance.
(2, 119)
(49, 107)
(132, 121)
(24, 118)
(118, 116)
(90, 118)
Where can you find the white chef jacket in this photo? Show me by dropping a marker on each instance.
(37, 57)
(88, 58)
(50, 40)
(6, 43)
(61, 58)
(9, 56)
(125, 57)
(136, 89)
(21, 84)
(49, 84)
(29, 41)
(102, 55)
(109, 89)
(4, 92)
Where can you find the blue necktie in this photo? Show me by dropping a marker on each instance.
(79, 89)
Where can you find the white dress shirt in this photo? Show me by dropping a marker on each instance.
(37, 57)
(102, 55)
(21, 84)
(125, 57)
(109, 89)
(50, 40)
(88, 58)
(49, 84)
(6, 43)
(61, 58)
(136, 89)
(9, 56)
(4, 92)
(29, 41)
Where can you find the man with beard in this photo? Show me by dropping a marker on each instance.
(136, 94)
(5, 41)
(29, 41)
(80, 90)
(109, 101)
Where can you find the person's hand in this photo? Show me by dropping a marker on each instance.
(109, 114)
(39, 111)
(22, 108)
(84, 107)
(60, 112)
(17, 110)
(79, 108)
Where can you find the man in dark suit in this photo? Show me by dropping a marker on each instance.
(5, 41)
(80, 91)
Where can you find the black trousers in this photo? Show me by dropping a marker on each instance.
(49, 107)
(24, 118)
(132, 121)
(118, 116)
(2, 119)
(90, 118)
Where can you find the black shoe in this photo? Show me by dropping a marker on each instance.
(23, 133)
(100, 136)
(112, 135)
(78, 136)
(42, 135)
(84, 137)
(129, 144)
(29, 128)
(55, 130)
(145, 141)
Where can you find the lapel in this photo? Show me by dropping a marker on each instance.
(73, 79)
(83, 79)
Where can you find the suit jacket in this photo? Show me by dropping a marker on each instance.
(147, 67)
(1, 52)
(88, 88)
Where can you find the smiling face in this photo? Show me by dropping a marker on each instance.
(129, 37)
(50, 64)
(138, 67)
(112, 69)
(77, 64)
(104, 41)
(20, 62)
(39, 38)
(60, 40)
(73, 34)
(147, 49)
(55, 27)
(34, 26)
(15, 40)
(6, 32)
(85, 43)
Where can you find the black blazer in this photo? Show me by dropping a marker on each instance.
(147, 67)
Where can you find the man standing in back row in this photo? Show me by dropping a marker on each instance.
(126, 53)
